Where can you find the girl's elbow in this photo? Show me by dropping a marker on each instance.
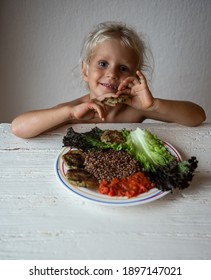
(17, 130)
(201, 118)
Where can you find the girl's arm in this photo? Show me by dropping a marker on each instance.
(181, 112)
(33, 123)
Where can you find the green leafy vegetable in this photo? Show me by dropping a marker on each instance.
(91, 139)
(83, 141)
(149, 150)
(174, 175)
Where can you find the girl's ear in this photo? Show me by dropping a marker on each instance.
(84, 70)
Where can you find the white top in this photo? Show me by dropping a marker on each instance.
(42, 219)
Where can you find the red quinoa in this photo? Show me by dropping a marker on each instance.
(108, 164)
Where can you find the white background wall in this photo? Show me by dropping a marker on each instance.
(40, 42)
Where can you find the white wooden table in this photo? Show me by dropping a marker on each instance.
(41, 219)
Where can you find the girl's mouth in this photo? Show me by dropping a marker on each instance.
(109, 86)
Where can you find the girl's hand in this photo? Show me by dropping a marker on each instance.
(89, 110)
(137, 88)
(94, 108)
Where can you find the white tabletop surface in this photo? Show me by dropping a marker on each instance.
(41, 219)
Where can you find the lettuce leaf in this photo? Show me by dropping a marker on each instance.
(149, 150)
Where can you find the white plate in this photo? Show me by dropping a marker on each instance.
(94, 196)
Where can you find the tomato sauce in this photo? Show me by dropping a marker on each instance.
(130, 186)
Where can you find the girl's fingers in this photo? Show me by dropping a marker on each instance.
(141, 76)
(98, 108)
(106, 95)
(128, 83)
(126, 91)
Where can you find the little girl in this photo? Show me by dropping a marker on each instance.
(112, 61)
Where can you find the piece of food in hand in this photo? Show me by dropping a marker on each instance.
(82, 178)
(74, 159)
(117, 100)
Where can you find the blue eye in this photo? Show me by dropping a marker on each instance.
(124, 68)
(102, 64)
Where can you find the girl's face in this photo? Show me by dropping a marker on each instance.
(110, 64)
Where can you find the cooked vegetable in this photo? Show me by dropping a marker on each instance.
(82, 178)
(74, 159)
(155, 160)
(130, 186)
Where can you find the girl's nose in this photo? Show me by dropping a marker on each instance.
(112, 73)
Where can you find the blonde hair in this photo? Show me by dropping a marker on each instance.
(115, 30)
